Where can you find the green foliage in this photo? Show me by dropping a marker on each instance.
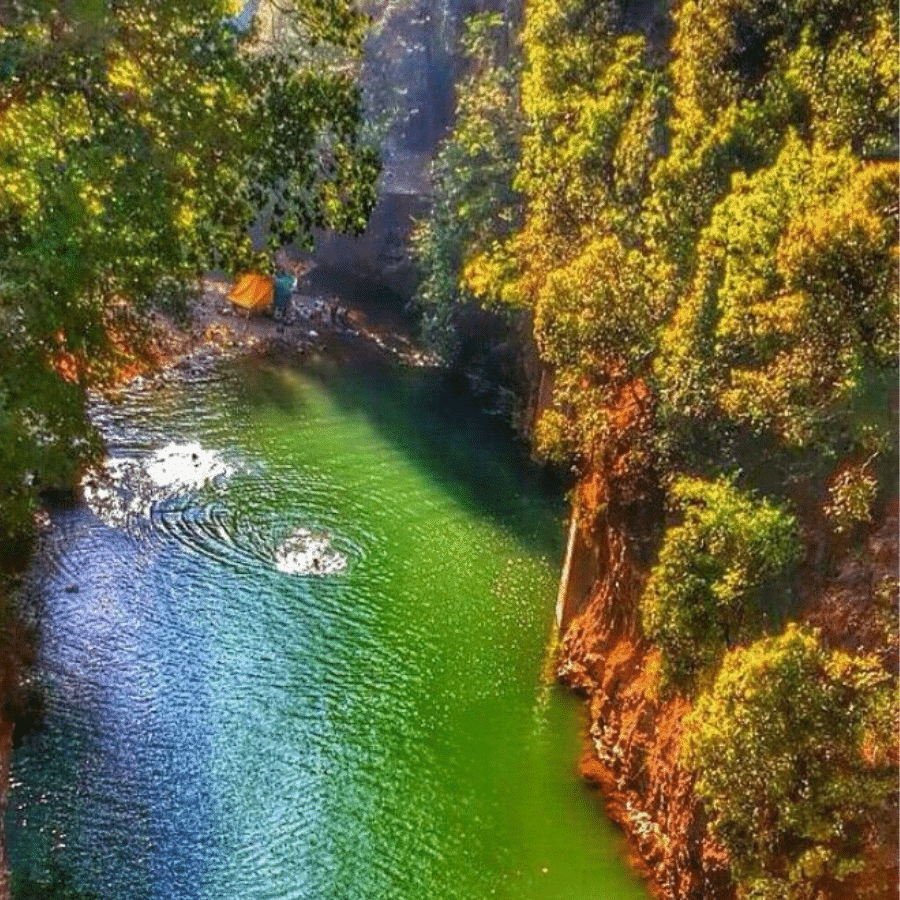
(595, 115)
(717, 574)
(793, 300)
(715, 221)
(853, 493)
(139, 142)
(792, 750)
(706, 239)
(781, 228)
(475, 204)
(747, 73)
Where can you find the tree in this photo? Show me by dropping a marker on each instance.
(139, 143)
(593, 107)
(704, 221)
(793, 301)
(475, 205)
(793, 752)
(718, 572)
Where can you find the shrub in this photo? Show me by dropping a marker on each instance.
(792, 746)
(716, 572)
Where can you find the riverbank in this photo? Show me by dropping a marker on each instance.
(340, 323)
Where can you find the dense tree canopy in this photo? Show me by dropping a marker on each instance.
(716, 219)
(792, 300)
(719, 571)
(706, 229)
(793, 745)
(139, 141)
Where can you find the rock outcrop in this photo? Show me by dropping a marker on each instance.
(633, 734)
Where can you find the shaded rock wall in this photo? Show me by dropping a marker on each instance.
(381, 254)
(630, 751)
(410, 69)
(632, 735)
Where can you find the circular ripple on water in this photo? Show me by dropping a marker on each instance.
(307, 552)
(179, 490)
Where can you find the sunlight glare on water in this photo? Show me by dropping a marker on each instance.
(291, 646)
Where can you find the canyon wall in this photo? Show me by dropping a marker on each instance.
(411, 64)
(633, 734)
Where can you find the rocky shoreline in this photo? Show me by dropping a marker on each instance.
(336, 323)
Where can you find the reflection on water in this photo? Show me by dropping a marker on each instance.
(179, 478)
(308, 553)
(124, 488)
(291, 647)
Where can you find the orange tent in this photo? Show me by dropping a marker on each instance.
(252, 291)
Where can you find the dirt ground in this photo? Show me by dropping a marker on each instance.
(341, 323)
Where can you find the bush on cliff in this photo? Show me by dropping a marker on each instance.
(793, 749)
(719, 571)
(791, 303)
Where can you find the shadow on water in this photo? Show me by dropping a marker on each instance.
(57, 887)
(265, 388)
(219, 732)
(431, 417)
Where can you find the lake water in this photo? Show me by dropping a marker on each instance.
(293, 646)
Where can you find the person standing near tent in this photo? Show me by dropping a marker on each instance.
(285, 284)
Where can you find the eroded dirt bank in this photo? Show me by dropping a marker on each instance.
(633, 736)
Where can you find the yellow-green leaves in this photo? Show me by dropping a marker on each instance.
(715, 222)
(784, 744)
(792, 298)
(720, 570)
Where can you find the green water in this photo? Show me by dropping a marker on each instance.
(364, 719)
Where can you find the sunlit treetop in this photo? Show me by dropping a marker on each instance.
(703, 213)
(794, 745)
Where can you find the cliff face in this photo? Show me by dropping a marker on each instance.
(633, 735)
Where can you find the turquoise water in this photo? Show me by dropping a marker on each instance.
(292, 647)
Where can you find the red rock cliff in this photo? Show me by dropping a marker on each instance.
(633, 736)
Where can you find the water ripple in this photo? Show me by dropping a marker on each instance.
(285, 656)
